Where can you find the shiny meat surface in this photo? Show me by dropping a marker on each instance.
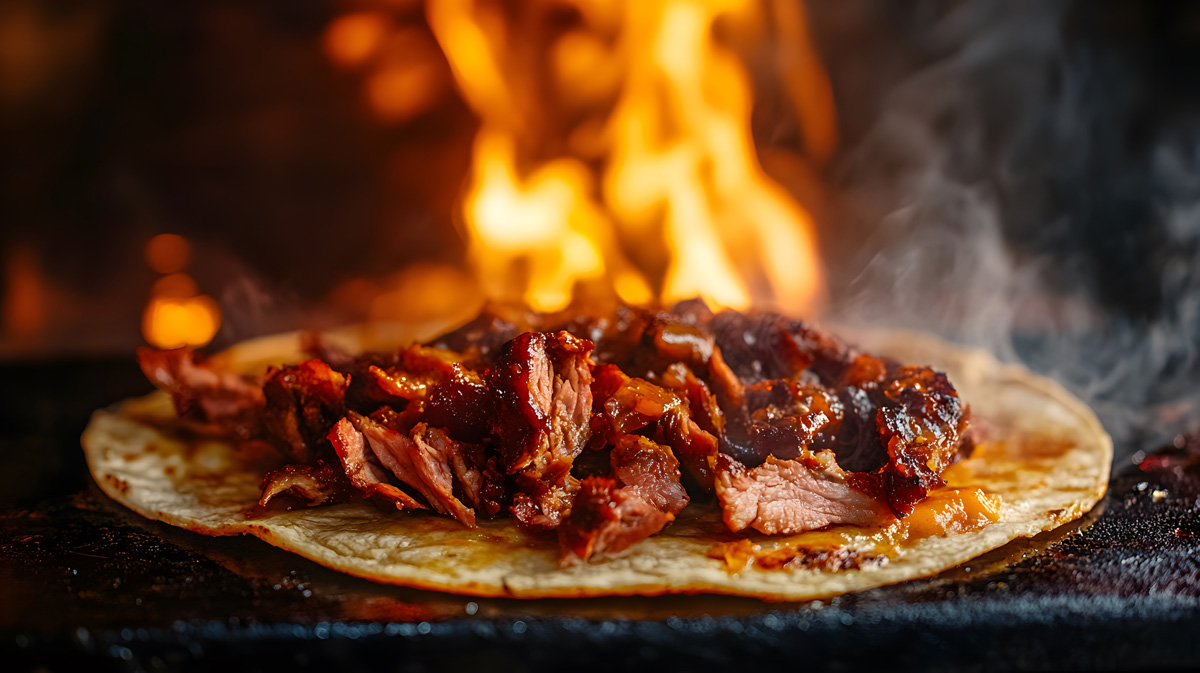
(607, 519)
(302, 402)
(602, 426)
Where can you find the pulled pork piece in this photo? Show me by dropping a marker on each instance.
(606, 520)
(421, 461)
(302, 403)
(650, 468)
(312, 485)
(433, 457)
(633, 404)
(541, 387)
(760, 345)
(695, 448)
(439, 389)
(781, 419)
(202, 394)
(610, 515)
(792, 496)
(363, 468)
(923, 433)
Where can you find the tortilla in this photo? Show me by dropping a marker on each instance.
(1045, 455)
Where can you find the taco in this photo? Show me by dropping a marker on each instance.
(638, 453)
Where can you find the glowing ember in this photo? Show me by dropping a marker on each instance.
(632, 166)
(177, 314)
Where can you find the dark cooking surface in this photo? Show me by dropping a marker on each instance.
(84, 581)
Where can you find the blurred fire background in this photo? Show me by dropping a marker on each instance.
(1024, 176)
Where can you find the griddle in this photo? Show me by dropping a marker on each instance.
(84, 582)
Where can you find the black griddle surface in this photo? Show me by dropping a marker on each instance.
(84, 582)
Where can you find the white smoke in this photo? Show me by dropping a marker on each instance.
(959, 177)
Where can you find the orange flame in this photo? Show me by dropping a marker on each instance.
(652, 186)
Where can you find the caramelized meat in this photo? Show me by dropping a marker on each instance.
(695, 448)
(781, 419)
(788, 426)
(302, 403)
(481, 340)
(606, 520)
(922, 430)
(439, 389)
(759, 345)
(541, 388)
(203, 394)
(791, 496)
(650, 468)
(363, 468)
(637, 404)
(311, 485)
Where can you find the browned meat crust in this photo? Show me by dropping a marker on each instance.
(542, 396)
(787, 426)
(302, 403)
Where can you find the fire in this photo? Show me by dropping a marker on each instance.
(617, 154)
(177, 314)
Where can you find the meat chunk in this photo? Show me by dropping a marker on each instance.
(302, 403)
(311, 485)
(922, 430)
(481, 340)
(781, 419)
(363, 468)
(203, 394)
(792, 496)
(434, 452)
(634, 404)
(439, 389)
(542, 393)
(652, 469)
(421, 461)
(760, 345)
(606, 520)
(695, 448)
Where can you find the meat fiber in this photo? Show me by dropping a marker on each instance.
(652, 469)
(421, 461)
(792, 496)
(363, 467)
(542, 396)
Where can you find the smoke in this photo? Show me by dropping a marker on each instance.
(1008, 208)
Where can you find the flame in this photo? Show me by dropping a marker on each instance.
(630, 165)
(177, 314)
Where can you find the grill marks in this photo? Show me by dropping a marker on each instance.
(603, 439)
